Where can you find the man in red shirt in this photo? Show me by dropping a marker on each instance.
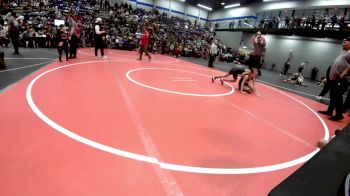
(145, 41)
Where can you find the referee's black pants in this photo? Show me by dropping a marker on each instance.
(99, 44)
(73, 46)
(337, 89)
(211, 60)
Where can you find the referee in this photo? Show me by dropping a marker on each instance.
(213, 53)
(99, 40)
(339, 82)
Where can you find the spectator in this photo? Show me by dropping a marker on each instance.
(286, 67)
(334, 19)
(302, 66)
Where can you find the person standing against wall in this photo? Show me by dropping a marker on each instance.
(286, 67)
(339, 82)
(302, 66)
(213, 53)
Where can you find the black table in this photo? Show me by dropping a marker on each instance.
(323, 174)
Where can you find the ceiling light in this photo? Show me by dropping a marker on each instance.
(232, 5)
(205, 7)
(222, 3)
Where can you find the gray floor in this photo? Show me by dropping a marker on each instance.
(33, 59)
(20, 66)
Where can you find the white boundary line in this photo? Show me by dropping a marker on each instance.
(153, 160)
(26, 58)
(176, 92)
(125, 58)
(72, 135)
(188, 80)
(326, 130)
